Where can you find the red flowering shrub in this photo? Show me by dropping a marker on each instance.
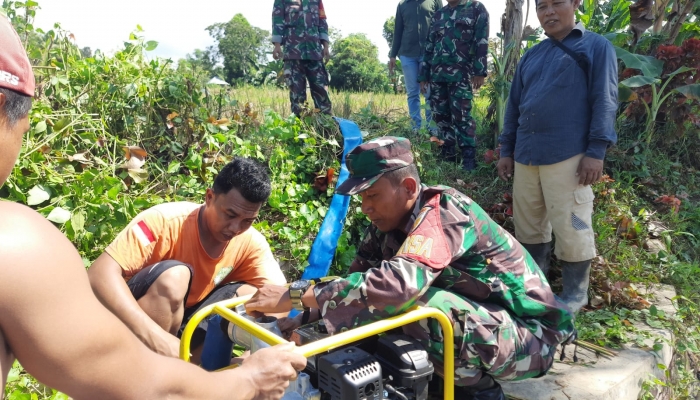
(677, 108)
(672, 56)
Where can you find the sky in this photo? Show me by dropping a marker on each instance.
(179, 26)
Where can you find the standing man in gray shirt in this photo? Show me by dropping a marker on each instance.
(410, 34)
(559, 122)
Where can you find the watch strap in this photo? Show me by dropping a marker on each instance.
(305, 316)
(295, 296)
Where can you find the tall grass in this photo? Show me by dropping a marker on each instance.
(345, 104)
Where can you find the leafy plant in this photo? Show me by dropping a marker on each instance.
(500, 80)
(653, 76)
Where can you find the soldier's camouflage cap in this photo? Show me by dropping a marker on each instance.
(369, 161)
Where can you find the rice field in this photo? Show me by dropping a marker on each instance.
(345, 104)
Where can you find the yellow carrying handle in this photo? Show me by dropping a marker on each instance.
(331, 342)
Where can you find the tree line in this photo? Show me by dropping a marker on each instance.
(241, 55)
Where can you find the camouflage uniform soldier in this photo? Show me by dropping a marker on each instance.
(455, 54)
(433, 246)
(300, 26)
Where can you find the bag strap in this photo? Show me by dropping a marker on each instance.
(580, 58)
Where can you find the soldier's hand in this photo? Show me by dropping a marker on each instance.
(326, 52)
(589, 171)
(424, 87)
(505, 168)
(269, 370)
(277, 52)
(392, 65)
(288, 325)
(477, 82)
(269, 299)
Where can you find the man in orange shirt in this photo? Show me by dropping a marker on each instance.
(175, 258)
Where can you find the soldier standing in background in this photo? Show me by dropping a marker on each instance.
(300, 26)
(454, 62)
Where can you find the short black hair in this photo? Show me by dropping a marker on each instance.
(398, 175)
(248, 176)
(17, 106)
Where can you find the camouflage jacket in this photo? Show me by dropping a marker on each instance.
(457, 44)
(300, 26)
(452, 244)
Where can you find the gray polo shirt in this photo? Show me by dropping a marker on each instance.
(412, 26)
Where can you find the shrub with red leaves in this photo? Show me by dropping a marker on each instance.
(692, 48)
(672, 56)
(628, 73)
(677, 108)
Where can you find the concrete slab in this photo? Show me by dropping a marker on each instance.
(599, 378)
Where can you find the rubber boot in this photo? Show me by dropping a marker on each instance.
(448, 151)
(468, 158)
(541, 253)
(575, 277)
(486, 389)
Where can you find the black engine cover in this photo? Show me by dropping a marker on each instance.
(406, 362)
(350, 374)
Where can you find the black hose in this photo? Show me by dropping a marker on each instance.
(398, 394)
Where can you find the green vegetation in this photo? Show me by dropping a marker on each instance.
(242, 48)
(115, 134)
(354, 66)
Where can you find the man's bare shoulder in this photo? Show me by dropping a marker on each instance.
(26, 237)
(19, 223)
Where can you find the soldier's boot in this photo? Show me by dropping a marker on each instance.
(541, 253)
(486, 389)
(448, 151)
(575, 277)
(468, 158)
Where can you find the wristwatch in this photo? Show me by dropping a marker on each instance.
(296, 290)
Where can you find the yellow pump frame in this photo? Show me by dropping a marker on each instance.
(417, 313)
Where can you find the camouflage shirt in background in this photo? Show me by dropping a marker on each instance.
(457, 44)
(454, 245)
(300, 26)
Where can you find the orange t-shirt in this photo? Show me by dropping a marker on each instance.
(170, 231)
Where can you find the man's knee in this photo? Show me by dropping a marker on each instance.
(171, 285)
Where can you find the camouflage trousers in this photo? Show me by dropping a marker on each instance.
(451, 104)
(297, 73)
(487, 339)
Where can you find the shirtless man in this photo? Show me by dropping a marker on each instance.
(52, 322)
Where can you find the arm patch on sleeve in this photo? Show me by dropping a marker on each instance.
(143, 233)
(321, 10)
(427, 242)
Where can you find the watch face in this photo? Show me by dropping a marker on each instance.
(300, 284)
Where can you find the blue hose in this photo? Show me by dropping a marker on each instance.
(217, 347)
(323, 248)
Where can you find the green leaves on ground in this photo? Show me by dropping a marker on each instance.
(38, 194)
